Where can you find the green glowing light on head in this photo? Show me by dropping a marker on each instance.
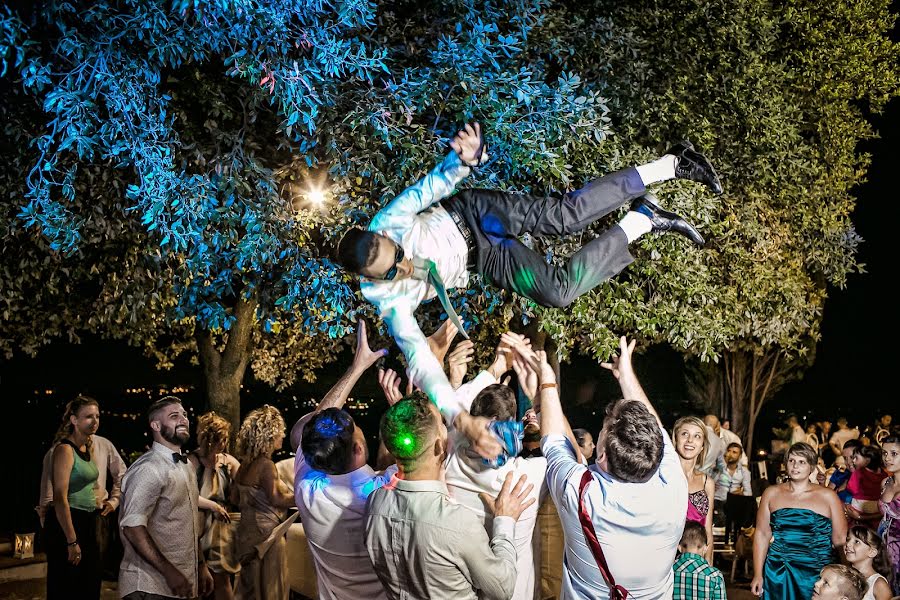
(407, 441)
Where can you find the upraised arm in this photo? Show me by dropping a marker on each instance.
(363, 358)
(623, 371)
(436, 185)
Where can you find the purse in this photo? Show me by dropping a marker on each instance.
(616, 592)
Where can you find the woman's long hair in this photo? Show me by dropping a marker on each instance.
(65, 427)
(258, 432)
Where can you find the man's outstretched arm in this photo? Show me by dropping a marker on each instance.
(435, 186)
(363, 358)
(623, 371)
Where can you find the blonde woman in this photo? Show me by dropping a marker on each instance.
(73, 555)
(263, 499)
(216, 470)
(689, 438)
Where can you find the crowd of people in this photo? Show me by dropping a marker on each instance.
(543, 511)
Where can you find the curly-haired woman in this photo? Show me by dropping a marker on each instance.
(263, 500)
(216, 470)
(73, 556)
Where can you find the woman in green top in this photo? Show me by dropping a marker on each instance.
(73, 565)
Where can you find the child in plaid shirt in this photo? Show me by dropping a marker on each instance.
(696, 579)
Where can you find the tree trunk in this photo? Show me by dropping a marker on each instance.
(223, 372)
(751, 380)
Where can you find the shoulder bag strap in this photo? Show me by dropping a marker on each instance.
(617, 592)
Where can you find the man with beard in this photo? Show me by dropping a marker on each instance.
(158, 521)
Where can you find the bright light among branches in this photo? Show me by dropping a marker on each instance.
(316, 196)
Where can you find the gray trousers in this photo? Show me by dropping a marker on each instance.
(496, 219)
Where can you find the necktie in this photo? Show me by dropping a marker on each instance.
(427, 270)
(178, 456)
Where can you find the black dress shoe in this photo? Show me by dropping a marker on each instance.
(663, 220)
(692, 165)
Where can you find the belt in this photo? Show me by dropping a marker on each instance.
(466, 233)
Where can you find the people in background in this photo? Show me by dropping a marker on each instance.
(73, 555)
(215, 471)
(839, 582)
(695, 577)
(262, 499)
(797, 525)
(159, 515)
(585, 443)
(690, 436)
(865, 552)
(889, 503)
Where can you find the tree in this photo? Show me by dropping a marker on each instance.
(778, 95)
(204, 167)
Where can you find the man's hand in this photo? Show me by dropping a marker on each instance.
(466, 145)
(511, 501)
(509, 343)
(439, 341)
(481, 439)
(458, 361)
(390, 385)
(622, 363)
(528, 379)
(204, 580)
(178, 583)
(106, 509)
(364, 356)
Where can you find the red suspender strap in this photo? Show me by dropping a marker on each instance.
(617, 592)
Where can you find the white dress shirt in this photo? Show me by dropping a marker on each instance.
(160, 494)
(638, 525)
(428, 232)
(107, 459)
(424, 545)
(729, 482)
(332, 509)
(467, 476)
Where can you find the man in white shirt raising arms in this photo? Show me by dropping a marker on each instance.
(634, 499)
(417, 247)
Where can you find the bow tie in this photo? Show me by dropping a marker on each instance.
(178, 456)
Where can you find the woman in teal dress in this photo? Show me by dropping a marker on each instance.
(798, 527)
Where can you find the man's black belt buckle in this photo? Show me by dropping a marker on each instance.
(466, 233)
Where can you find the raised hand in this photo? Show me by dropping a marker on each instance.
(481, 439)
(528, 378)
(439, 341)
(512, 500)
(390, 385)
(458, 360)
(466, 145)
(364, 356)
(622, 363)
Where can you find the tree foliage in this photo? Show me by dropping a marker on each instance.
(164, 153)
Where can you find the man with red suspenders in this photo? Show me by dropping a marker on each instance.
(623, 517)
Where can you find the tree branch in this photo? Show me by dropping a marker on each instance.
(240, 336)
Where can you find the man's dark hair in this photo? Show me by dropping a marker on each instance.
(873, 453)
(734, 445)
(496, 401)
(852, 444)
(694, 535)
(357, 249)
(408, 428)
(327, 442)
(633, 441)
(580, 434)
(161, 404)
